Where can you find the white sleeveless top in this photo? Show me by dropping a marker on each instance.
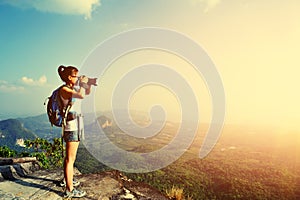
(77, 123)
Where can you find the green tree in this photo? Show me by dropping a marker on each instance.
(49, 154)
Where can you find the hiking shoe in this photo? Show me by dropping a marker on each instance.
(62, 183)
(75, 193)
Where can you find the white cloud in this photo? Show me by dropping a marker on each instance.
(43, 80)
(210, 4)
(29, 81)
(74, 7)
(20, 86)
(3, 82)
(7, 87)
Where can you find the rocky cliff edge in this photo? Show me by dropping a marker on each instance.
(26, 181)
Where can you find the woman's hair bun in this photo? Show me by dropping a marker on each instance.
(61, 68)
(64, 72)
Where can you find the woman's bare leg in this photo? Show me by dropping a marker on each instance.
(71, 150)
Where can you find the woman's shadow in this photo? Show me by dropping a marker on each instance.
(9, 175)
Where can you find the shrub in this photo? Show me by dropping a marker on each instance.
(175, 193)
(7, 152)
(49, 154)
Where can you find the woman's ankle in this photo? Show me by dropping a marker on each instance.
(69, 189)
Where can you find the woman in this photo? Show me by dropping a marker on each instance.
(72, 93)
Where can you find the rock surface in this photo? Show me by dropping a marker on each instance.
(25, 181)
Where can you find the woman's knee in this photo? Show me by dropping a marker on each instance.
(69, 160)
(71, 149)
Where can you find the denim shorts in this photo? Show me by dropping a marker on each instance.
(73, 136)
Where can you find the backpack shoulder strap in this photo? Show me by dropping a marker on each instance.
(70, 99)
(67, 105)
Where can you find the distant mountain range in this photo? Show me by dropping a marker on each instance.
(41, 126)
(13, 132)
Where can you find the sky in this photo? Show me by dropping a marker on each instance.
(254, 45)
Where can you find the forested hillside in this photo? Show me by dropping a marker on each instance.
(11, 130)
(246, 163)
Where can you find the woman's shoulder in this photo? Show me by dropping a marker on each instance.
(66, 88)
(66, 91)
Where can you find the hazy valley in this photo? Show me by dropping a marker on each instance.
(246, 163)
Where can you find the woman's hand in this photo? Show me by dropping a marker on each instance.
(83, 80)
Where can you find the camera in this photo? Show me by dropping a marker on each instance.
(91, 81)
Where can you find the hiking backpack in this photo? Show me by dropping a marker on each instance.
(56, 110)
